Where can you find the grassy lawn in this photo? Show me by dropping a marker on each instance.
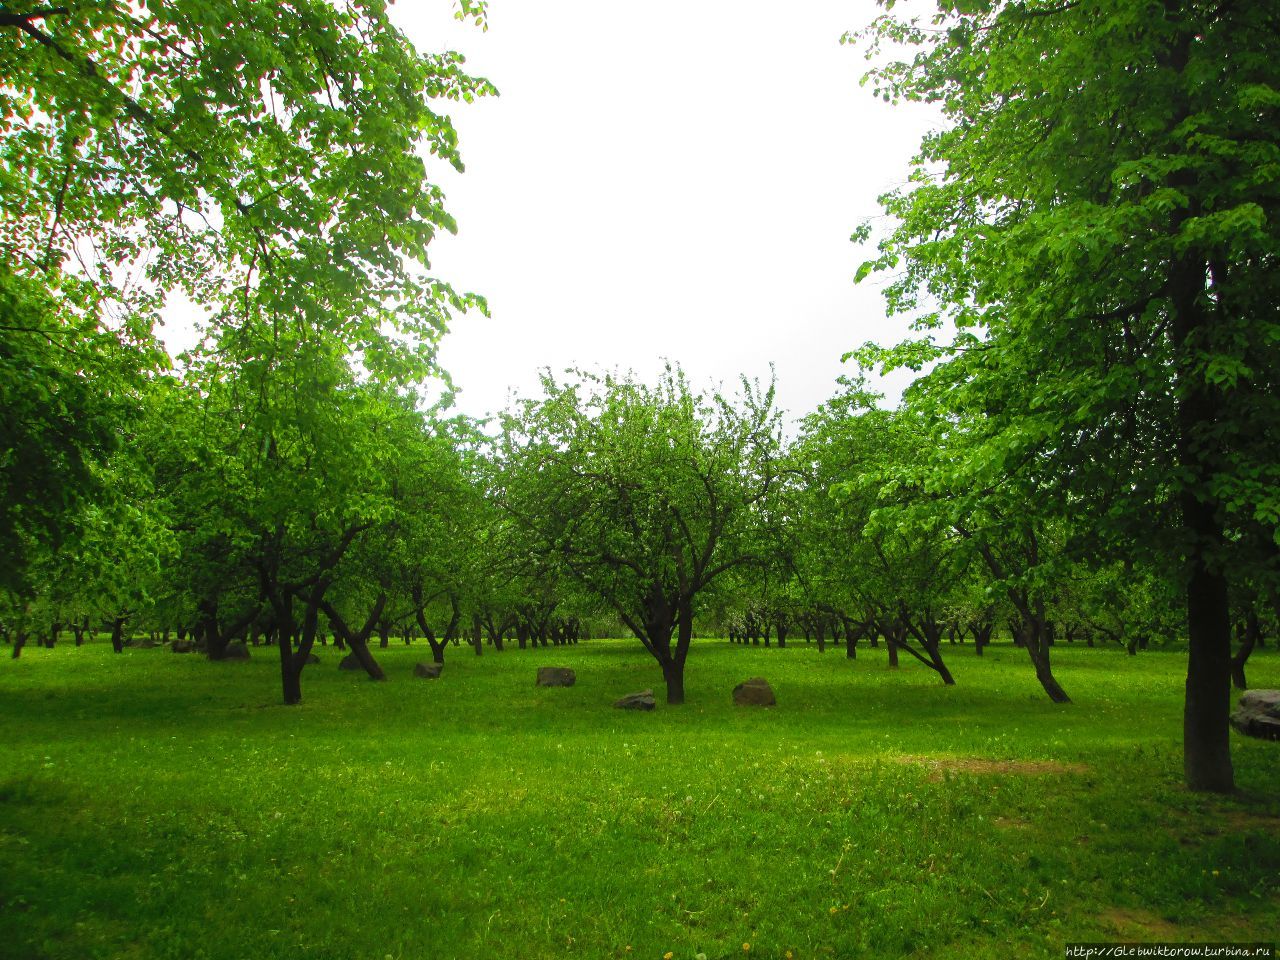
(154, 805)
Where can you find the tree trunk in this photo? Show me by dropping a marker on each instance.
(358, 642)
(290, 678)
(673, 675)
(851, 632)
(982, 636)
(1247, 642)
(1032, 628)
(1047, 680)
(117, 634)
(941, 667)
(932, 642)
(1205, 725)
(437, 648)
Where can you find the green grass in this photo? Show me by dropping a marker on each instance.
(161, 806)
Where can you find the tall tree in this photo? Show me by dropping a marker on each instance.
(264, 160)
(1099, 225)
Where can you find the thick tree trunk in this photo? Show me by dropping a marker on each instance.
(941, 667)
(932, 643)
(673, 676)
(1045, 675)
(1205, 724)
(437, 649)
(1035, 638)
(215, 642)
(437, 646)
(982, 636)
(360, 648)
(117, 634)
(662, 616)
(852, 632)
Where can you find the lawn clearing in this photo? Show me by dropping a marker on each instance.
(162, 806)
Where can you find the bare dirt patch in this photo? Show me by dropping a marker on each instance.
(938, 766)
(1133, 924)
(1137, 924)
(1244, 821)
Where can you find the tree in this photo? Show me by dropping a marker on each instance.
(1099, 224)
(262, 160)
(874, 545)
(647, 495)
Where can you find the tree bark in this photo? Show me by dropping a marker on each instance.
(673, 676)
(117, 634)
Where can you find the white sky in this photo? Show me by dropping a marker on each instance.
(670, 179)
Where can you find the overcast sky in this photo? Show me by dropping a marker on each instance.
(670, 179)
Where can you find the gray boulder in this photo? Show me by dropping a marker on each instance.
(755, 692)
(428, 671)
(556, 677)
(236, 650)
(637, 701)
(182, 646)
(1258, 714)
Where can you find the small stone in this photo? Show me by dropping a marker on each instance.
(236, 650)
(755, 692)
(428, 671)
(556, 677)
(1258, 714)
(350, 662)
(636, 701)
